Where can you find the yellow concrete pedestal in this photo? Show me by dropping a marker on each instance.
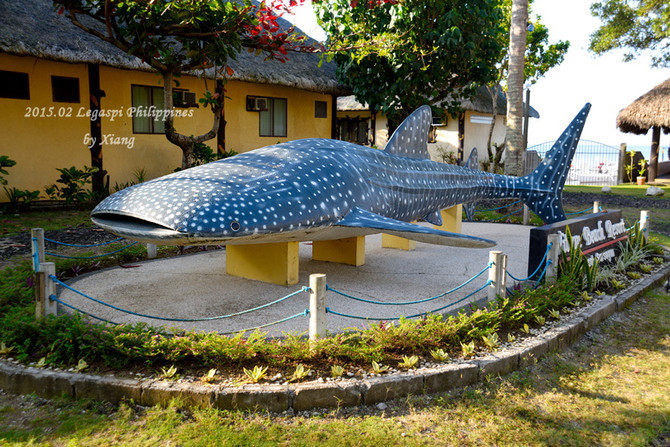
(350, 251)
(274, 263)
(397, 242)
(452, 219)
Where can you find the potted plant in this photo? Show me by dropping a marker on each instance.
(629, 166)
(641, 179)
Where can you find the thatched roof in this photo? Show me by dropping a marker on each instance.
(480, 103)
(649, 110)
(33, 28)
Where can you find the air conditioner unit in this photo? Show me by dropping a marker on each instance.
(183, 98)
(255, 104)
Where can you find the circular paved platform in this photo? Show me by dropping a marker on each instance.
(196, 286)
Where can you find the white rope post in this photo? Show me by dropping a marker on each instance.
(152, 251)
(44, 288)
(317, 306)
(37, 246)
(644, 223)
(554, 252)
(497, 274)
(596, 207)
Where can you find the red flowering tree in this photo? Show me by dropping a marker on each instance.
(177, 36)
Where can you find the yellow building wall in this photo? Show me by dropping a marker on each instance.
(151, 152)
(243, 127)
(40, 143)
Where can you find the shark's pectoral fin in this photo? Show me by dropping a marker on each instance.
(360, 218)
(435, 218)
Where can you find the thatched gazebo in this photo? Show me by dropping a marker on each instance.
(649, 111)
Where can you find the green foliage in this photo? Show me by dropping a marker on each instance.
(336, 371)
(21, 198)
(642, 167)
(576, 267)
(416, 42)
(256, 374)
(300, 373)
(409, 362)
(634, 26)
(440, 355)
(75, 183)
(378, 368)
(5, 162)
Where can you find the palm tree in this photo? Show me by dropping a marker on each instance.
(515, 79)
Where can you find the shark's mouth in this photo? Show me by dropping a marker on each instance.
(138, 229)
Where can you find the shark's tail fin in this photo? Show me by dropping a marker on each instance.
(541, 190)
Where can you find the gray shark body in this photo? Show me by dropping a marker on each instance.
(321, 189)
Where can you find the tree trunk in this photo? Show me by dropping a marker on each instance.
(185, 143)
(494, 102)
(515, 78)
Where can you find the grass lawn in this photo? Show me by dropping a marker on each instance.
(609, 389)
(13, 223)
(625, 189)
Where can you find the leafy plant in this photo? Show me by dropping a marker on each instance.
(18, 197)
(555, 314)
(634, 275)
(468, 349)
(540, 319)
(409, 362)
(646, 268)
(81, 365)
(440, 355)
(642, 167)
(257, 374)
(586, 297)
(511, 338)
(75, 181)
(210, 376)
(4, 349)
(170, 373)
(41, 363)
(5, 162)
(300, 373)
(526, 328)
(336, 371)
(492, 341)
(657, 260)
(378, 368)
(619, 285)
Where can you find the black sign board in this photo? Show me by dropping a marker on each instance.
(597, 233)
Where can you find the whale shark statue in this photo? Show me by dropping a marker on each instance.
(321, 189)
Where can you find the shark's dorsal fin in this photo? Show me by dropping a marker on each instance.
(472, 163)
(410, 139)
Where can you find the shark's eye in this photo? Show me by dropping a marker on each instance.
(235, 225)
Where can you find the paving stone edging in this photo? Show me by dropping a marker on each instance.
(277, 398)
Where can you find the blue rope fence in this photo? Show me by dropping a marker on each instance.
(358, 317)
(404, 303)
(82, 246)
(546, 253)
(184, 320)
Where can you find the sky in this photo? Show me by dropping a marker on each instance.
(607, 82)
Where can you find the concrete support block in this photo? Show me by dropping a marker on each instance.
(275, 263)
(397, 242)
(350, 251)
(107, 388)
(162, 392)
(386, 388)
(450, 376)
(269, 398)
(317, 306)
(327, 395)
(452, 219)
(152, 251)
